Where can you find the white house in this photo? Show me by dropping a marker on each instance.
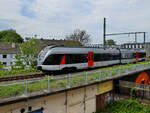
(7, 53)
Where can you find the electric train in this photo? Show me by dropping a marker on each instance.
(56, 58)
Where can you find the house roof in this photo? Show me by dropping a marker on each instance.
(10, 48)
(60, 42)
(46, 42)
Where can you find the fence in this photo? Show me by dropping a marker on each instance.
(140, 90)
(51, 84)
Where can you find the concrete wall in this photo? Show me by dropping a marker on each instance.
(81, 100)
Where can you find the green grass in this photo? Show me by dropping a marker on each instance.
(14, 72)
(18, 89)
(126, 106)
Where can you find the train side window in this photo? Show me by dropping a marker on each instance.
(67, 59)
(77, 58)
(105, 57)
(97, 57)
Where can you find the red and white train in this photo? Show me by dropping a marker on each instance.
(54, 58)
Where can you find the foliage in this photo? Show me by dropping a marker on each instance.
(126, 106)
(132, 92)
(19, 61)
(147, 47)
(110, 42)
(1, 65)
(15, 71)
(10, 36)
(28, 53)
(79, 35)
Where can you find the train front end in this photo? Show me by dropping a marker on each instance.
(41, 57)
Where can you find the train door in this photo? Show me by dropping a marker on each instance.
(137, 56)
(90, 58)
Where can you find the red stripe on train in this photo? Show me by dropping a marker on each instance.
(62, 61)
(137, 56)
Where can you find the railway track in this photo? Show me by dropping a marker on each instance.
(38, 75)
(21, 77)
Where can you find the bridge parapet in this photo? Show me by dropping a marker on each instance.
(27, 88)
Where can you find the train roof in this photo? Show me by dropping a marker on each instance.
(79, 50)
(83, 50)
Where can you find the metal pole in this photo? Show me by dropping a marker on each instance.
(144, 37)
(119, 70)
(135, 38)
(68, 80)
(26, 88)
(104, 34)
(48, 84)
(110, 73)
(85, 78)
(99, 75)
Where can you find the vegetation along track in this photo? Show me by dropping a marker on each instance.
(60, 73)
(21, 77)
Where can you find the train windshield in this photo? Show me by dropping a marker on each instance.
(53, 59)
(43, 52)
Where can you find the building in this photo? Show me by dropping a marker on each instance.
(134, 45)
(8, 53)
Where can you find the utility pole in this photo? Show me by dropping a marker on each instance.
(104, 34)
(135, 37)
(144, 37)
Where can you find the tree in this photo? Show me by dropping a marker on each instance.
(10, 36)
(28, 53)
(110, 42)
(1, 65)
(79, 35)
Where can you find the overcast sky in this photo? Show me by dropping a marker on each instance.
(58, 18)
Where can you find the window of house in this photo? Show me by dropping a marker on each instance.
(4, 63)
(4, 56)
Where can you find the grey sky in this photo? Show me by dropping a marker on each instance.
(58, 18)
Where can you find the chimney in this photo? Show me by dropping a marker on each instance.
(13, 45)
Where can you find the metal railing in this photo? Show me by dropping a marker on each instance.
(51, 84)
(140, 90)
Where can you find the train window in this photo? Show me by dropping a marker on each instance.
(84, 58)
(67, 59)
(53, 59)
(134, 55)
(110, 56)
(76, 58)
(142, 55)
(97, 57)
(115, 56)
(105, 56)
(128, 55)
